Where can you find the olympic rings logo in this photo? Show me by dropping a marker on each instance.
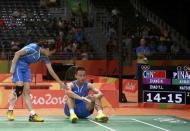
(145, 67)
(185, 68)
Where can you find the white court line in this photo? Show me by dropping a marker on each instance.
(111, 129)
(151, 125)
(124, 121)
(27, 122)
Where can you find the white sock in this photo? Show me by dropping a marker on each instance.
(71, 111)
(32, 112)
(11, 108)
(100, 112)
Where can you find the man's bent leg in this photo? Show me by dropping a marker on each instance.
(70, 103)
(13, 98)
(26, 95)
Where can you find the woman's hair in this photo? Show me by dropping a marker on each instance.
(44, 44)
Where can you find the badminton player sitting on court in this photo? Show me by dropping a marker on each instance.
(79, 103)
(21, 75)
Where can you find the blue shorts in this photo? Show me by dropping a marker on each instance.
(80, 110)
(22, 73)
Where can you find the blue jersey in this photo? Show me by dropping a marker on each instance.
(81, 91)
(33, 55)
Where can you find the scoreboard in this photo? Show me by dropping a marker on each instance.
(169, 85)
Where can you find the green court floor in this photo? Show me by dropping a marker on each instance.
(116, 123)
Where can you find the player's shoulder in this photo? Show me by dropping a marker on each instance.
(32, 45)
(31, 48)
(90, 85)
(74, 82)
(70, 85)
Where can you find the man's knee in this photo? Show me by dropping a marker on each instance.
(12, 97)
(92, 98)
(26, 91)
(18, 90)
(90, 106)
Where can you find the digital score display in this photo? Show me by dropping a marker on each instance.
(164, 84)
